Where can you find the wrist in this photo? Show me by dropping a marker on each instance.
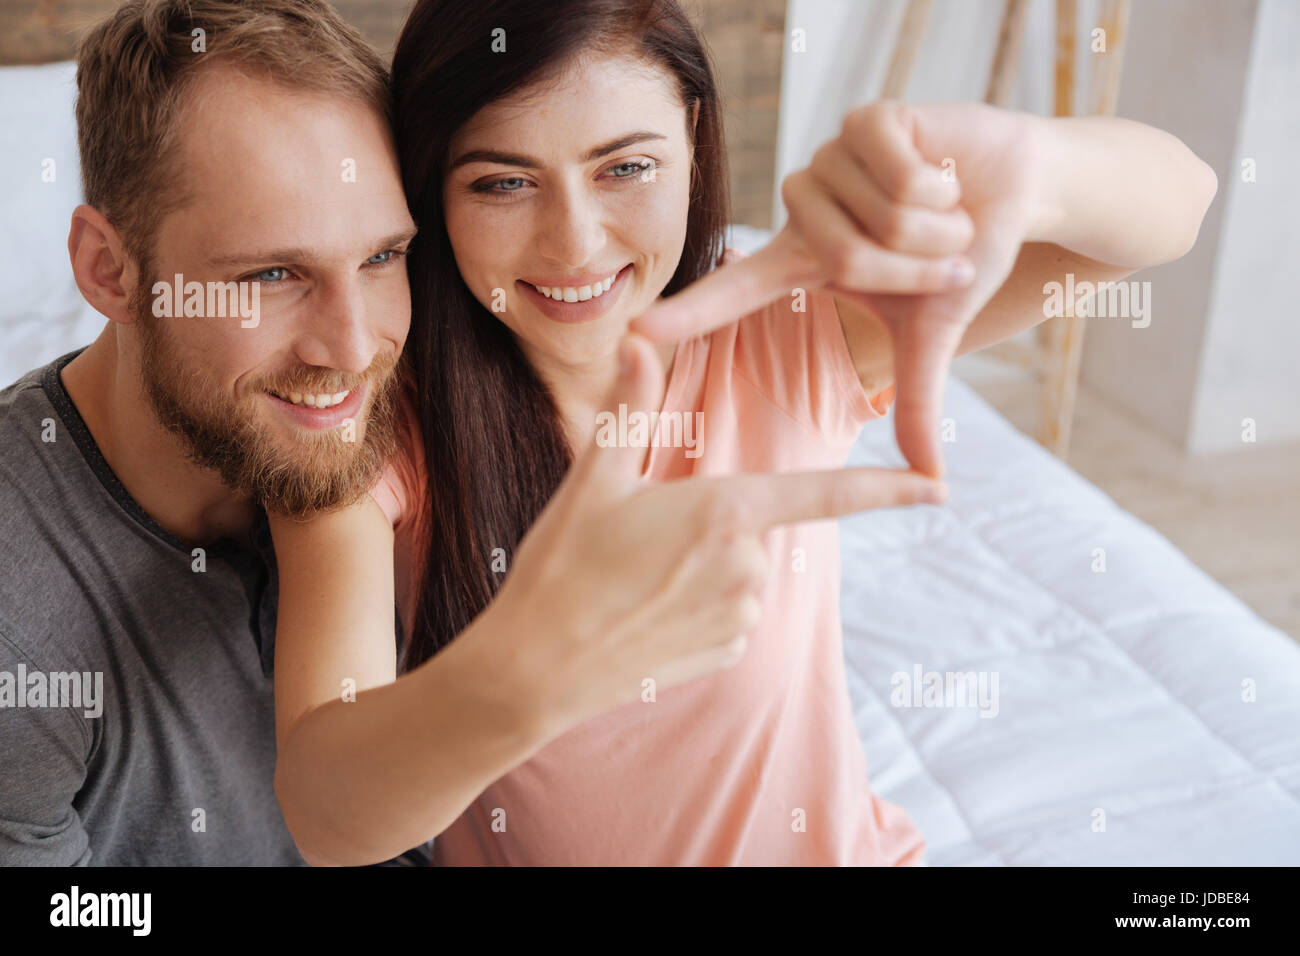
(497, 675)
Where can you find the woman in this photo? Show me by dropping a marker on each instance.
(567, 172)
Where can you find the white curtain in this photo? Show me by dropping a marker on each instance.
(848, 48)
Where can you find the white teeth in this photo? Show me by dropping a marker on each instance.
(315, 401)
(577, 293)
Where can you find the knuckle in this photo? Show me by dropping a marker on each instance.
(909, 183)
(895, 225)
(859, 120)
(822, 160)
(847, 263)
(965, 226)
(734, 651)
(792, 186)
(935, 276)
(749, 611)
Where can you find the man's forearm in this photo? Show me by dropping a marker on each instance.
(404, 760)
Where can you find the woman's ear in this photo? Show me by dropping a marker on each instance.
(104, 272)
(695, 117)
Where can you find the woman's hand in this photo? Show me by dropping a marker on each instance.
(616, 582)
(916, 212)
(619, 581)
(996, 156)
(881, 212)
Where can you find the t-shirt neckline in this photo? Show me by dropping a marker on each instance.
(57, 393)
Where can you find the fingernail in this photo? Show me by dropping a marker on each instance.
(960, 272)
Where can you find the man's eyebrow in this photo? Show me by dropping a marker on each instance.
(299, 254)
(527, 162)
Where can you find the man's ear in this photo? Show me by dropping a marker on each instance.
(105, 273)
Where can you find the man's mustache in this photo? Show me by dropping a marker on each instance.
(378, 374)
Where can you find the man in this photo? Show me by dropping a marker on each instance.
(136, 551)
(243, 234)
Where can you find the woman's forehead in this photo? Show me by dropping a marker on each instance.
(591, 90)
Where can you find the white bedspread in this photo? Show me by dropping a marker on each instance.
(1144, 697)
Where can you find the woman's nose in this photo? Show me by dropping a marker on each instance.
(572, 231)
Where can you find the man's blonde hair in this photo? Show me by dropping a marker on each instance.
(135, 67)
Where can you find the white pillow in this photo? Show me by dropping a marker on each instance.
(42, 315)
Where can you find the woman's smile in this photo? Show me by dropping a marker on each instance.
(576, 300)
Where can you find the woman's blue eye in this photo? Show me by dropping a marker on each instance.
(632, 169)
(277, 272)
(380, 258)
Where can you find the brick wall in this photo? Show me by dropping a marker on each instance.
(745, 36)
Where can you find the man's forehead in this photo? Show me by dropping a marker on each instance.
(236, 129)
(272, 165)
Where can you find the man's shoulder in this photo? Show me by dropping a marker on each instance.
(38, 478)
(21, 392)
(33, 439)
(26, 408)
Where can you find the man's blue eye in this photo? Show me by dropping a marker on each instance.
(519, 184)
(271, 275)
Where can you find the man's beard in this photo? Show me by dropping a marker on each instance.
(321, 472)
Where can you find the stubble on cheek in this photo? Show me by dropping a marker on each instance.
(289, 471)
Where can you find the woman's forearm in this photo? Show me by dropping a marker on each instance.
(1119, 192)
(362, 782)
(365, 777)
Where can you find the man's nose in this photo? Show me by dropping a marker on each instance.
(338, 333)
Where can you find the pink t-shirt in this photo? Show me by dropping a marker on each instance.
(757, 765)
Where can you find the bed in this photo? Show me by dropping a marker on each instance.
(1142, 714)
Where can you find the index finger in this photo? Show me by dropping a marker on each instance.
(728, 293)
(754, 503)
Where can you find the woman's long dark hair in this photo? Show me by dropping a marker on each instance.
(495, 451)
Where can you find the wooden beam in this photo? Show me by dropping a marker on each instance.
(915, 19)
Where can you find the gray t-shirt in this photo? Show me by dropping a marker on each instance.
(174, 764)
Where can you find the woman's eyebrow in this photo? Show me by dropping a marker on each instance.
(527, 162)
